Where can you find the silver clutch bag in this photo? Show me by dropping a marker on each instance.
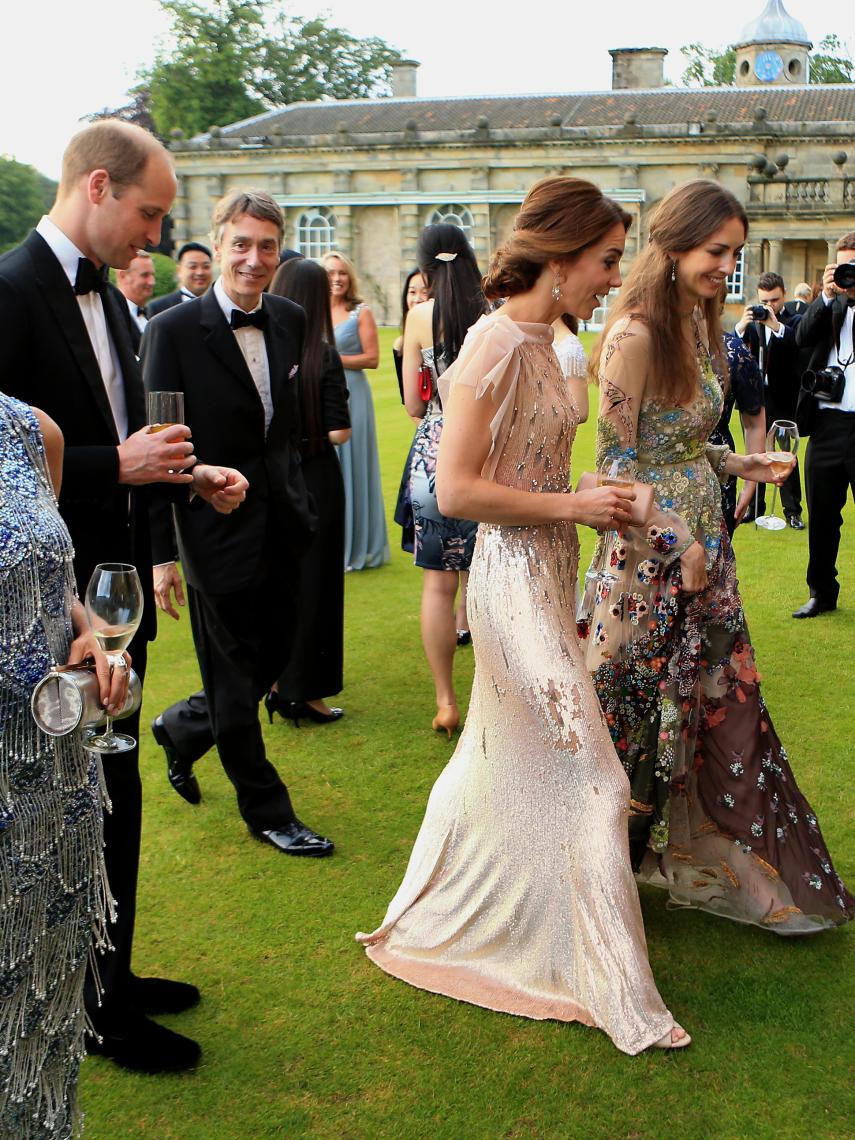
(67, 699)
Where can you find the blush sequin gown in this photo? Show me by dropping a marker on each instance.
(519, 895)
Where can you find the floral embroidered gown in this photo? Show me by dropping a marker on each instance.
(717, 816)
(519, 894)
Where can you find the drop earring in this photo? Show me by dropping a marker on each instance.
(556, 288)
(674, 270)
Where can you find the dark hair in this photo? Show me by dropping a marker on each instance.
(769, 281)
(455, 285)
(288, 254)
(306, 283)
(685, 218)
(557, 220)
(192, 247)
(847, 241)
(404, 307)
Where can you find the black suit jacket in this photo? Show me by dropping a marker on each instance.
(47, 359)
(783, 368)
(167, 301)
(191, 349)
(132, 326)
(796, 307)
(818, 330)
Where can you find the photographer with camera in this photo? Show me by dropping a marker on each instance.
(768, 330)
(826, 412)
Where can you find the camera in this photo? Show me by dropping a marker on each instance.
(827, 384)
(760, 312)
(844, 275)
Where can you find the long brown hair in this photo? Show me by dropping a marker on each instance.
(559, 218)
(685, 218)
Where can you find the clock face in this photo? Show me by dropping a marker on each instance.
(768, 66)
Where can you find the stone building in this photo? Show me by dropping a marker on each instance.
(365, 176)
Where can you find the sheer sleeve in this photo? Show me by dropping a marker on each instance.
(571, 357)
(489, 362)
(623, 372)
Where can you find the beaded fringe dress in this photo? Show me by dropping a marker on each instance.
(519, 895)
(53, 892)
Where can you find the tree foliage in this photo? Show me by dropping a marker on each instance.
(237, 58)
(716, 67)
(25, 195)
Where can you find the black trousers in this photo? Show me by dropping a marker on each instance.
(122, 828)
(830, 473)
(243, 640)
(791, 489)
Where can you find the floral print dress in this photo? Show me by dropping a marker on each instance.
(716, 814)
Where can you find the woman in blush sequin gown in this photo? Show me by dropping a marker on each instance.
(519, 895)
(53, 893)
(717, 816)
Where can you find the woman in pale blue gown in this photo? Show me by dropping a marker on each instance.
(366, 543)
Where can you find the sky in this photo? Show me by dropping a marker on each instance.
(88, 53)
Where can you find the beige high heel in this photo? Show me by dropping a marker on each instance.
(670, 1042)
(447, 719)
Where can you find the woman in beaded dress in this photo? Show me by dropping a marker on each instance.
(519, 895)
(366, 544)
(53, 893)
(717, 817)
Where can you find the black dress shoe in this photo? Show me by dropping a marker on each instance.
(143, 1045)
(795, 521)
(812, 607)
(161, 995)
(296, 839)
(179, 771)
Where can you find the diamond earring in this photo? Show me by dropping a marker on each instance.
(556, 288)
(673, 270)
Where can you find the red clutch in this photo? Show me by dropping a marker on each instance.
(425, 380)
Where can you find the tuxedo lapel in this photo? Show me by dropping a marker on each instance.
(280, 356)
(221, 341)
(119, 326)
(62, 304)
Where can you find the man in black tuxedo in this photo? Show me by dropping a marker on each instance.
(826, 330)
(234, 354)
(773, 340)
(64, 347)
(194, 271)
(136, 284)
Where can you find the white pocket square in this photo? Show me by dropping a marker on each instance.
(293, 371)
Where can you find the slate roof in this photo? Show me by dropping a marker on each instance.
(663, 107)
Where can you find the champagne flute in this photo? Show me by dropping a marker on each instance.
(114, 606)
(165, 409)
(782, 443)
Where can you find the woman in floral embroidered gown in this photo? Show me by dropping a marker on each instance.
(717, 816)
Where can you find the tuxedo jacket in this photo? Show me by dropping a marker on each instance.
(132, 326)
(167, 301)
(190, 348)
(817, 331)
(47, 360)
(796, 307)
(783, 367)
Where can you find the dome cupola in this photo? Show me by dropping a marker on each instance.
(773, 49)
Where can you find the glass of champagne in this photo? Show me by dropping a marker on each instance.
(114, 606)
(165, 409)
(782, 443)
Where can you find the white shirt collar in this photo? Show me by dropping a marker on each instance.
(63, 248)
(226, 303)
(187, 294)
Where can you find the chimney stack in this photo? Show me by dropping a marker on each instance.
(404, 78)
(637, 68)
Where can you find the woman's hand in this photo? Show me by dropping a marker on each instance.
(113, 685)
(758, 469)
(693, 566)
(602, 508)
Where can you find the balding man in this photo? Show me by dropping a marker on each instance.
(64, 346)
(136, 284)
(802, 295)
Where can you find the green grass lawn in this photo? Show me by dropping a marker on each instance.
(303, 1037)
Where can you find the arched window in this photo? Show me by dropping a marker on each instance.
(316, 232)
(455, 215)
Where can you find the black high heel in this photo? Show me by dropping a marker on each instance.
(273, 703)
(300, 710)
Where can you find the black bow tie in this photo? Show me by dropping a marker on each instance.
(240, 319)
(89, 279)
(141, 311)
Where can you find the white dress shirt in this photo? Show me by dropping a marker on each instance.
(838, 356)
(136, 316)
(251, 343)
(92, 311)
(186, 295)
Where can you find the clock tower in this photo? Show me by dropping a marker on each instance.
(773, 50)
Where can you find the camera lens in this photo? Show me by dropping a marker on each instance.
(759, 312)
(844, 275)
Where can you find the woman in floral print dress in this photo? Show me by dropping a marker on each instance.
(716, 815)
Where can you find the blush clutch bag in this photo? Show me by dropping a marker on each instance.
(642, 505)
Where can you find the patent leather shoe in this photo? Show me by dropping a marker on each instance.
(795, 521)
(296, 839)
(162, 995)
(179, 771)
(813, 607)
(142, 1045)
(301, 710)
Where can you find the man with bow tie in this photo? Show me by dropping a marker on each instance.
(65, 348)
(136, 284)
(827, 329)
(234, 353)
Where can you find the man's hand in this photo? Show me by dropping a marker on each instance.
(157, 456)
(828, 287)
(223, 487)
(746, 498)
(166, 580)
